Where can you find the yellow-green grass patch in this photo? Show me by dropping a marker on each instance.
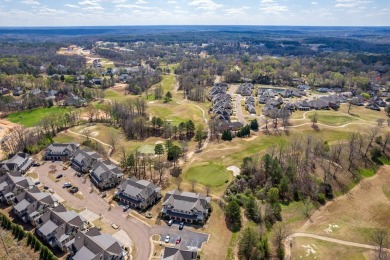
(208, 174)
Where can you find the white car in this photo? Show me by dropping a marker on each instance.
(51, 190)
(167, 238)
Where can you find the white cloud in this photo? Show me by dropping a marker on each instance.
(172, 2)
(314, 3)
(90, 2)
(118, 1)
(71, 6)
(141, 2)
(30, 2)
(351, 3)
(94, 8)
(236, 11)
(272, 7)
(131, 6)
(208, 5)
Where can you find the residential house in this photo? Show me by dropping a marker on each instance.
(31, 204)
(97, 81)
(58, 226)
(83, 160)
(19, 162)
(74, 100)
(378, 101)
(4, 91)
(373, 106)
(105, 175)
(92, 244)
(60, 152)
(186, 206)
(179, 253)
(18, 91)
(35, 92)
(139, 194)
(245, 89)
(303, 87)
(12, 185)
(303, 105)
(319, 104)
(51, 94)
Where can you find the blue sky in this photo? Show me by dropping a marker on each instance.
(194, 12)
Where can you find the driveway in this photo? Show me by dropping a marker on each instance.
(188, 237)
(138, 232)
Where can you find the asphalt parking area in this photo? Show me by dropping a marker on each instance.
(188, 238)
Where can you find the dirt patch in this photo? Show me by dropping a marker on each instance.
(5, 128)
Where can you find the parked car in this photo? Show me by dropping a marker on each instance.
(178, 240)
(74, 189)
(114, 226)
(104, 194)
(59, 176)
(67, 185)
(125, 208)
(51, 190)
(45, 187)
(167, 238)
(37, 182)
(181, 225)
(79, 174)
(65, 167)
(170, 222)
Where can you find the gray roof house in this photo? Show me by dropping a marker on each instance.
(186, 206)
(84, 159)
(31, 204)
(179, 253)
(58, 226)
(93, 245)
(11, 186)
(105, 175)
(19, 162)
(63, 152)
(138, 193)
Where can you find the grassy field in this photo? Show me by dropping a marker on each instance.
(117, 96)
(357, 215)
(330, 117)
(216, 247)
(208, 174)
(308, 248)
(32, 117)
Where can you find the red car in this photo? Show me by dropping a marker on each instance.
(178, 240)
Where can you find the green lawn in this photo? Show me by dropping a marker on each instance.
(116, 96)
(208, 174)
(32, 117)
(332, 118)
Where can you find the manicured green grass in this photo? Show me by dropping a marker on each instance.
(208, 174)
(332, 118)
(168, 83)
(32, 117)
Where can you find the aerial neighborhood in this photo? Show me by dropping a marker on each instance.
(193, 142)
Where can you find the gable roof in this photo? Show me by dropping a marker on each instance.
(179, 253)
(138, 188)
(186, 201)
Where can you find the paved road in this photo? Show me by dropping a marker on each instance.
(237, 104)
(138, 232)
(287, 243)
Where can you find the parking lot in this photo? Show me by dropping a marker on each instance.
(188, 237)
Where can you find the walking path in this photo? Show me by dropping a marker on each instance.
(288, 241)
